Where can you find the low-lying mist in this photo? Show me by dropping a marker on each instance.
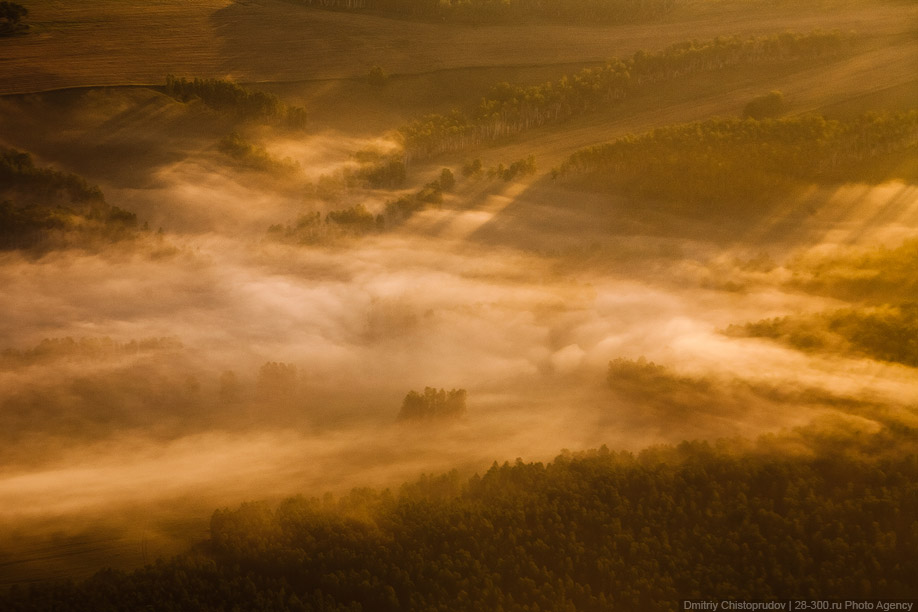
(210, 364)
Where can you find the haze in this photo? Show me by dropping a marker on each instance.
(207, 359)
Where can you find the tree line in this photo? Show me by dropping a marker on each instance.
(358, 220)
(876, 276)
(504, 11)
(597, 530)
(730, 163)
(53, 349)
(227, 96)
(887, 333)
(509, 109)
(43, 207)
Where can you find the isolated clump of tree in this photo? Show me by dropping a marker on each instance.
(509, 109)
(11, 15)
(433, 404)
(472, 167)
(735, 165)
(785, 516)
(377, 77)
(447, 179)
(227, 96)
(43, 207)
(762, 107)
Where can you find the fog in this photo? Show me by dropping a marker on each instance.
(160, 408)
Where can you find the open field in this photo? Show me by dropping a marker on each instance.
(241, 343)
(111, 42)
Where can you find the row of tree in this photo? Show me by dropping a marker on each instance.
(509, 109)
(875, 276)
(357, 220)
(599, 531)
(54, 349)
(227, 96)
(887, 333)
(503, 11)
(730, 163)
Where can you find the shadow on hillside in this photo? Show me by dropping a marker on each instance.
(552, 217)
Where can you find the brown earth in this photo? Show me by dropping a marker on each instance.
(112, 42)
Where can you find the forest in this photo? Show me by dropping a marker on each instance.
(594, 530)
(415, 305)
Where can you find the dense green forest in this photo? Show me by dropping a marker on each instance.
(510, 109)
(888, 333)
(732, 165)
(598, 530)
(43, 207)
(486, 11)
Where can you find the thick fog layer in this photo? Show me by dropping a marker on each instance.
(165, 398)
